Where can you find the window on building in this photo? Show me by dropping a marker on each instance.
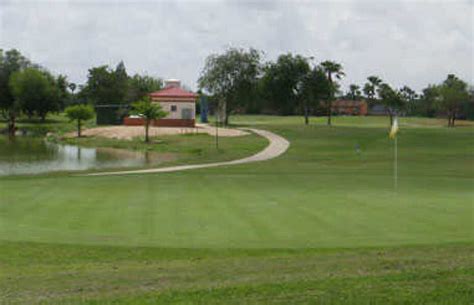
(174, 108)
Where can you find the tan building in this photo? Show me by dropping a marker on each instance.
(177, 102)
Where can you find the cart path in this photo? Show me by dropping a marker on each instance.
(278, 145)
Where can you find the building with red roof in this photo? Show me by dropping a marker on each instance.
(180, 105)
(349, 107)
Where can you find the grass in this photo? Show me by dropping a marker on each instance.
(187, 148)
(320, 225)
(123, 275)
(57, 123)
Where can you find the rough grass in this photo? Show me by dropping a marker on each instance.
(69, 274)
(320, 225)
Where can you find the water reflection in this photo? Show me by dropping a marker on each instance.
(28, 155)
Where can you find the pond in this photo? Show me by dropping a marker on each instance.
(32, 155)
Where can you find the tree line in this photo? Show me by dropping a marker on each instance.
(239, 82)
(106, 85)
(451, 98)
(30, 89)
(236, 81)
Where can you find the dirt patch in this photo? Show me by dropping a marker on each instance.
(130, 132)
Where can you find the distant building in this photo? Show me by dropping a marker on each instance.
(179, 103)
(349, 107)
(377, 109)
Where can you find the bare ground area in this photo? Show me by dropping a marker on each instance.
(129, 132)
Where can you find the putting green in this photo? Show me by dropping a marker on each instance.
(321, 193)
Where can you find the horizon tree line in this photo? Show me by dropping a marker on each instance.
(236, 81)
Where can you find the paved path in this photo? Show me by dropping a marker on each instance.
(278, 145)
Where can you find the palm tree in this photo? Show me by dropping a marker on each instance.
(148, 111)
(72, 87)
(331, 69)
(374, 80)
(370, 88)
(392, 100)
(354, 92)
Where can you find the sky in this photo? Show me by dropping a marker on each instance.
(412, 43)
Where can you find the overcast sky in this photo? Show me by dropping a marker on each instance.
(405, 42)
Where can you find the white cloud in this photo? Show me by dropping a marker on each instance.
(405, 42)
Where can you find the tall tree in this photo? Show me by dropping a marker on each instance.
(72, 87)
(408, 93)
(370, 88)
(139, 86)
(38, 92)
(282, 82)
(410, 97)
(453, 93)
(354, 92)
(391, 99)
(61, 93)
(33, 91)
(467, 108)
(10, 62)
(106, 86)
(231, 78)
(315, 87)
(121, 83)
(426, 105)
(148, 111)
(332, 70)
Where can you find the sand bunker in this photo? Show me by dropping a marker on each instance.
(129, 132)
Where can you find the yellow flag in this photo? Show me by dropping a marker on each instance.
(394, 129)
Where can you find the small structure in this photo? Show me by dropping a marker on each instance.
(377, 109)
(204, 108)
(177, 102)
(111, 114)
(349, 107)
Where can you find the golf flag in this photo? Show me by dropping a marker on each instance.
(394, 129)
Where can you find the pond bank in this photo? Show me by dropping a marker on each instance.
(277, 146)
(25, 155)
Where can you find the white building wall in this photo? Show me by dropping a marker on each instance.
(177, 114)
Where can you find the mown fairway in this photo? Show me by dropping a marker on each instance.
(270, 232)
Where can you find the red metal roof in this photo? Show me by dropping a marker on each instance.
(174, 92)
